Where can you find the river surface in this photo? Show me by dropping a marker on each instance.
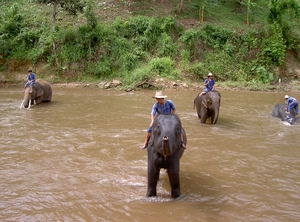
(78, 158)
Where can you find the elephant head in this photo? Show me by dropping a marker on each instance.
(41, 92)
(208, 106)
(166, 133)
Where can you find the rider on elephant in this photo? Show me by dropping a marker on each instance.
(30, 80)
(162, 106)
(292, 103)
(209, 84)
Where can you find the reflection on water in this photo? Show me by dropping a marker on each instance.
(78, 159)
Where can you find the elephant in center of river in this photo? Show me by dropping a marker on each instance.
(41, 92)
(164, 151)
(208, 106)
(280, 112)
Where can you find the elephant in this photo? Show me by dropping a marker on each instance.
(41, 92)
(164, 151)
(280, 111)
(208, 106)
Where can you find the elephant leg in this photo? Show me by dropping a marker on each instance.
(153, 176)
(173, 173)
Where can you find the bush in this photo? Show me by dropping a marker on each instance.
(164, 67)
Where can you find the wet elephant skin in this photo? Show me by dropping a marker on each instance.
(164, 152)
(280, 112)
(208, 106)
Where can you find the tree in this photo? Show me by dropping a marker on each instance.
(278, 8)
(71, 6)
(200, 4)
(249, 5)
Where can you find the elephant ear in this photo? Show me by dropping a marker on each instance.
(39, 89)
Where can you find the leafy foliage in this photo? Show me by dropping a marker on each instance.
(137, 48)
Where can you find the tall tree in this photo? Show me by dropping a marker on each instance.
(248, 5)
(200, 4)
(71, 6)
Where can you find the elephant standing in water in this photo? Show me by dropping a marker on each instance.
(280, 112)
(164, 151)
(208, 106)
(41, 92)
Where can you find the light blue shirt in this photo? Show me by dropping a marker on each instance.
(163, 109)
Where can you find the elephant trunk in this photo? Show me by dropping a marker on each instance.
(27, 98)
(215, 117)
(166, 146)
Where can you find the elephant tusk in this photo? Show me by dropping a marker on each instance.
(29, 103)
(22, 104)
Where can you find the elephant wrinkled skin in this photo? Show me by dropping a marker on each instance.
(280, 112)
(41, 92)
(164, 152)
(208, 106)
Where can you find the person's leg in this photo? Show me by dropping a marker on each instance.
(202, 93)
(146, 141)
(147, 138)
(30, 85)
(26, 84)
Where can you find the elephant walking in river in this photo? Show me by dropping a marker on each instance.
(208, 106)
(164, 151)
(280, 112)
(41, 92)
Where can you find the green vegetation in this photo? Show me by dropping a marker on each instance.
(244, 41)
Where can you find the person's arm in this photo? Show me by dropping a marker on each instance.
(214, 85)
(153, 113)
(206, 82)
(152, 120)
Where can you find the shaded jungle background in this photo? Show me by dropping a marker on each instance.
(243, 42)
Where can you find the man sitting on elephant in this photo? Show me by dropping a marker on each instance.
(209, 84)
(162, 106)
(292, 103)
(30, 80)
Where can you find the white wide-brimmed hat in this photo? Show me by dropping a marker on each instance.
(159, 95)
(210, 74)
(286, 96)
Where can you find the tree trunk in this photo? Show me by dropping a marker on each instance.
(181, 6)
(53, 31)
(202, 14)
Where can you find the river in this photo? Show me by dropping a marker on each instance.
(78, 158)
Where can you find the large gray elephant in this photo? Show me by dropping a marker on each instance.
(208, 106)
(280, 112)
(164, 151)
(41, 92)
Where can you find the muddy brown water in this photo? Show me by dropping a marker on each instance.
(78, 159)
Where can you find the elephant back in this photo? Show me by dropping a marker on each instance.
(46, 89)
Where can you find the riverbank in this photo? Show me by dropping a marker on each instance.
(157, 84)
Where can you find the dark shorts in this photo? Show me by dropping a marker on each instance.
(149, 130)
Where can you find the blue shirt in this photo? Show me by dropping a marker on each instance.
(291, 101)
(210, 85)
(163, 109)
(31, 77)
